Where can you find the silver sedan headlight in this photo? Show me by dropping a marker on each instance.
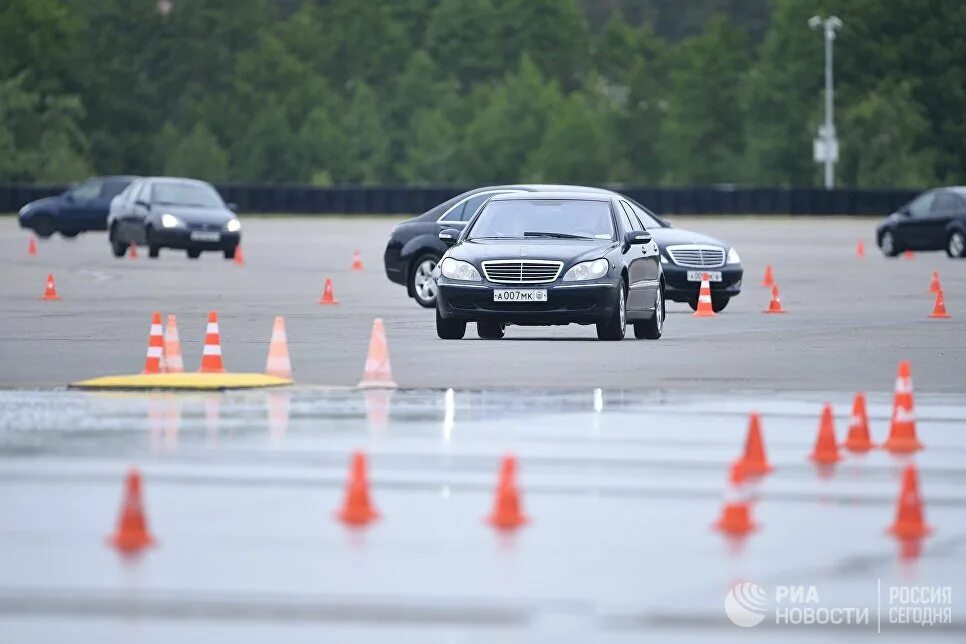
(733, 256)
(454, 269)
(170, 221)
(587, 271)
(233, 226)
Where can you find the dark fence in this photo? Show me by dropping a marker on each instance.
(414, 200)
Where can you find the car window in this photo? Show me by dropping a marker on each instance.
(945, 202)
(647, 219)
(920, 205)
(535, 218)
(628, 220)
(145, 193)
(183, 193)
(87, 190)
(113, 187)
(473, 204)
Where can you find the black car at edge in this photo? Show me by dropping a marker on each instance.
(414, 249)
(82, 208)
(934, 220)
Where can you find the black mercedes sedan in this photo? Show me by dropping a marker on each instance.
(82, 208)
(414, 249)
(934, 220)
(550, 258)
(166, 212)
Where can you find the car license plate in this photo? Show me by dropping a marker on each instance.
(695, 276)
(519, 295)
(204, 236)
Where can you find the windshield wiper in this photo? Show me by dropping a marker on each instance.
(555, 235)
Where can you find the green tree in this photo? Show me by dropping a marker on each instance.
(617, 46)
(196, 153)
(575, 148)
(323, 146)
(367, 146)
(431, 149)
(264, 151)
(461, 38)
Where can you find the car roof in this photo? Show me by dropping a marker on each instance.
(575, 195)
(177, 180)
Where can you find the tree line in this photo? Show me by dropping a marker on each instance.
(642, 92)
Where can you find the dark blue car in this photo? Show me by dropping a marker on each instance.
(84, 207)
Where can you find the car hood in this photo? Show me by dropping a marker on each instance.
(670, 236)
(40, 203)
(195, 215)
(567, 251)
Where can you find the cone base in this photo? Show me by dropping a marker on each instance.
(858, 445)
(378, 384)
(734, 529)
(904, 531)
(774, 312)
(704, 314)
(824, 459)
(50, 297)
(941, 316)
(356, 517)
(507, 523)
(756, 469)
(902, 445)
(328, 301)
(130, 543)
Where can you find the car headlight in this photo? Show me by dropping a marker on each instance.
(233, 226)
(454, 269)
(170, 221)
(587, 271)
(733, 256)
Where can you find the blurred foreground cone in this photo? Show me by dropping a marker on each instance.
(152, 362)
(507, 513)
(32, 246)
(775, 306)
(934, 285)
(704, 310)
(860, 249)
(132, 526)
(356, 260)
(133, 250)
(908, 255)
(328, 297)
(357, 509)
(239, 256)
(939, 308)
(377, 373)
(50, 291)
(278, 363)
(769, 279)
(826, 450)
(173, 362)
(909, 523)
(211, 354)
(902, 429)
(859, 439)
(754, 462)
(735, 519)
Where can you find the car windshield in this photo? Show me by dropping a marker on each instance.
(186, 194)
(549, 218)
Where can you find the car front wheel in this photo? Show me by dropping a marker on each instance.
(888, 244)
(154, 248)
(118, 247)
(616, 326)
(422, 282)
(956, 244)
(230, 252)
(653, 328)
(193, 253)
(43, 225)
(449, 329)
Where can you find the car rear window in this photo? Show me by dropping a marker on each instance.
(113, 187)
(523, 218)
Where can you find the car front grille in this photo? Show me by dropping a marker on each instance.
(697, 256)
(514, 271)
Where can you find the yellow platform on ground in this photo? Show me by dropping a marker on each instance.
(184, 381)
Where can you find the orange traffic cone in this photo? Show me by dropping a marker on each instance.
(826, 450)
(908, 255)
(152, 362)
(377, 373)
(909, 523)
(735, 519)
(328, 297)
(754, 462)
(278, 363)
(211, 354)
(902, 429)
(32, 246)
(357, 509)
(775, 306)
(934, 285)
(507, 513)
(132, 526)
(939, 308)
(860, 249)
(858, 439)
(769, 279)
(239, 256)
(50, 291)
(704, 309)
(173, 363)
(133, 250)
(356, 260)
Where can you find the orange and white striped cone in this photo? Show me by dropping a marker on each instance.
(902, 429)
(377, 373)
(934, 285)
(50, 291)
(278, 363)
(357, 260)
(775, 306)
(860, 249)
(328, 297)
(32, 246)
(939, 308)
(173, 362)
(152, 362)
(133, 250)
(211, 354)
(704, 309)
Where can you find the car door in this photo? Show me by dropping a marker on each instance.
(134, 216)
(110, 188)
(81, 206)
(643, 264)
(913, 224)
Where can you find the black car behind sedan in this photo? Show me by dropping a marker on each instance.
(82, 208)
(166, 212)
(550, 258)
(935, 220)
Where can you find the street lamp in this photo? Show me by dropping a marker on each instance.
(826, 146)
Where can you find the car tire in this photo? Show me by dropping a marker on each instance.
(154, 248)
(43, 225)
(616, 326)
(230, 252)
(449, 329)
(118, 247)
(193, 253)
(693, 303)
(956, 244)
(421, 282)
(489, 330)
(718, 304)
(887, 242)
(69, 234)
(653, 328)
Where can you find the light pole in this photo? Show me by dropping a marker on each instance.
(826, 146)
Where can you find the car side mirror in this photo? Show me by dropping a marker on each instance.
(143, 204)
(904, 211)
(449, 236)
(636, 237)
